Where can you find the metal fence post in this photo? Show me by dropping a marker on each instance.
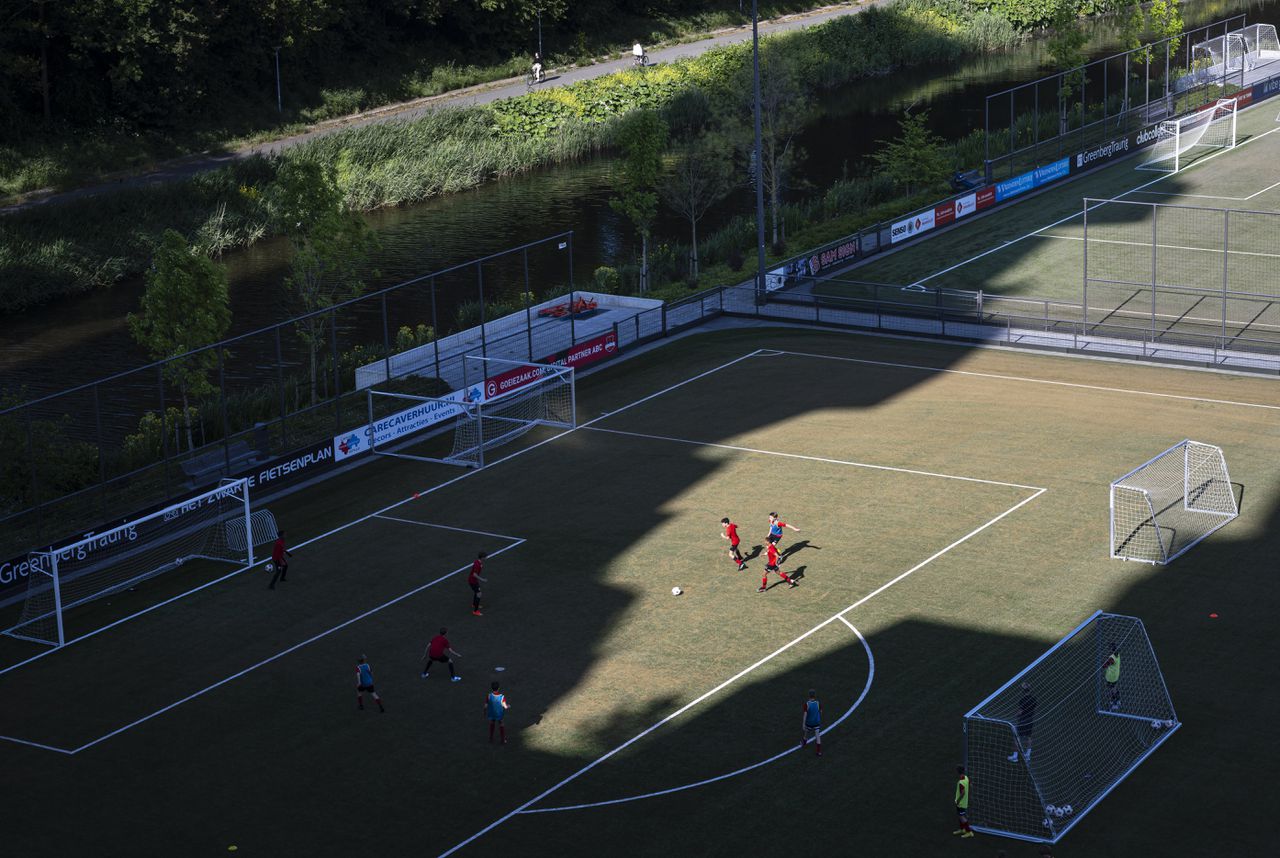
(164, 430)
(1226, 256)
(1084, 294)
(386, 339)
(102, 461)
(333, 349)
(435, 325)
(222, 412)
(35, 467)
(484, 347)
(1155, 211)
(284, 407)
(528, 300)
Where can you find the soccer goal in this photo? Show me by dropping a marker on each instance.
(1052, 742)
(500, 400)
(1180, 141)
(214, 526)
(1162, 508)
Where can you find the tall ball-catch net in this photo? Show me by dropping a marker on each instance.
(1052, 742)
(1182, 141)
(1162, 508)
(213, 526)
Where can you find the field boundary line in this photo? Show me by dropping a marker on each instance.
(1163, 246)
(992, 250)
(812, 458)
(834, 618)
(791, 749)
(1211, 196)
(448, 527)
(1030, 380)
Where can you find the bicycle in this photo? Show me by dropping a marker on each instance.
(641, 61)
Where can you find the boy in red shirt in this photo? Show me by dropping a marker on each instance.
(440, 650)
(475, 580)
(279, 559)
(731, 534)
(771, 565)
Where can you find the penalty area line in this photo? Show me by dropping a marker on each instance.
(837, 617)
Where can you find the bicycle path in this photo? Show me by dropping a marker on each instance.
(184, 168)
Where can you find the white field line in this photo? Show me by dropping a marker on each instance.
(447, 527)
(1029, 380)
(1208, 320)
(362, 519)
(281, 654)
(35, 745)
(1215, 250)
(992, 250)
(1211, 196)
(791, 749)
(811, 458)
(834, 618)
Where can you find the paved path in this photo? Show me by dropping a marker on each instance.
(185, 167)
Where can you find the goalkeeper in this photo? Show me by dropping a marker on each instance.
(1111, 670)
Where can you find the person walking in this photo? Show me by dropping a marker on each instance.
(812, 723)
(474, 579)
(496, 706)
(280, 560)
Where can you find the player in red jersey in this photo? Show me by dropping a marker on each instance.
(475, 581)
(439, 650)
(280, 560)
(771, 565)
(731, 534)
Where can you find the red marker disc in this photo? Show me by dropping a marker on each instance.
(1213, 616)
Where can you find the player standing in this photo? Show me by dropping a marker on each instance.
(364, 682)
(1026, 723)
(812, 723)
(731, 534)
(775, 529)
(1112, 673)
(771, 565)
(440, 650)
(496, 707)
(962, 803)
(280, 559)
(475, 581)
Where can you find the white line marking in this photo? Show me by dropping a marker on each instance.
(811, 458)
(1038, 381)
(1212, 196)
(1214, 250)
(285, 652)
(1077, 214)
(871, 675)
(36, 745)
(447, 527)
(836, 617)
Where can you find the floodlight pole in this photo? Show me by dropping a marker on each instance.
(759, 164)
(279, 102)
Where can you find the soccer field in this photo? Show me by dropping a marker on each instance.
(952, 506)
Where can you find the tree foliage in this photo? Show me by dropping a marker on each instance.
(643, 136)
(701, 176)
(915, 160)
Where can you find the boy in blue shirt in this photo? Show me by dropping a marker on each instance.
(496, 707)
(812, 722)
(364, 682)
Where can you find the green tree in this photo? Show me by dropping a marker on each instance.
(701, 176)
(185, 307)
(1133, 26)
(1067, 49)
(330, 242)
(915, 160)
(1166, 23)
(783, 106)
(644, 136)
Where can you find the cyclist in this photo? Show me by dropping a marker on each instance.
(537, 68)
(637, 52)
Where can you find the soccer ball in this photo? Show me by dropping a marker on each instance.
(271, 567)
(1060, 812)
(1068, 810)
(1156, 725)
(1049, 809)
(676, 591)
(1045, 822)
(1168, 723)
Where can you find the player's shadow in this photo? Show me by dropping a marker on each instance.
(795, 575)
(798, 572)
(755, 552)
(797, 547)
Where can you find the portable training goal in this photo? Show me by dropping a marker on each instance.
(499, 401)
(1180, 141)
(1056, 739)
(1164, 507)
(213, 526)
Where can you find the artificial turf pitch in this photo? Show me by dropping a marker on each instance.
(588, 533)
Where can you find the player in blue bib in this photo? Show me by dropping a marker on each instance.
(496, 706)
(364, 682)
(813, 722)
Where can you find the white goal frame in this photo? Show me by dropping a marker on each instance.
(54, 564)
(1177, 137)
(1133, 501)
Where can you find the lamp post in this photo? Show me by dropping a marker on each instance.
(755, 79)
(279, 102)
(539, 31)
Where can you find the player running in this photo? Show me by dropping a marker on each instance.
(439, 650)
(812, 723)
(475, 581)
(962, 803)
(731, 534)
(775, 529)
(364, 682)
(496, 707)
(771, 565)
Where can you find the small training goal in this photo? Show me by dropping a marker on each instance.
(1180, 142)
(1162, 508)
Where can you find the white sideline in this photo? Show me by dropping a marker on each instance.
(838, 616)
(447, 527)
(791, 749)
(1033, 233)
(1211, 196)
(1217, 250)
(810, 458)
(1029, 380)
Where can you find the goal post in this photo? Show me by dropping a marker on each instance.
(1044, 749)
(500, 400)
(213, 526)
(1179, 141)
(1163, 507)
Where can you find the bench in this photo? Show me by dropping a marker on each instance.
(209, 467)
(579, 307)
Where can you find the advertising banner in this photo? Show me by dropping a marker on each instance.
(830, 256)
(966, 205)
(911, 227)
(403, 423)
(512, 379)
(944, 214)
(1052, 172)
(586, 352)
(1017, 185)
(986, 197)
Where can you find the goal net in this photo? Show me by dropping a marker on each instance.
(1052, 742)
(1162, 508)
(500, 400)
(211, 526)
(1180, 141)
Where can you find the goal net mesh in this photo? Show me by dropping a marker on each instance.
(209, 526)
(1046, 747)
(1162, 508)
(1213, 127)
